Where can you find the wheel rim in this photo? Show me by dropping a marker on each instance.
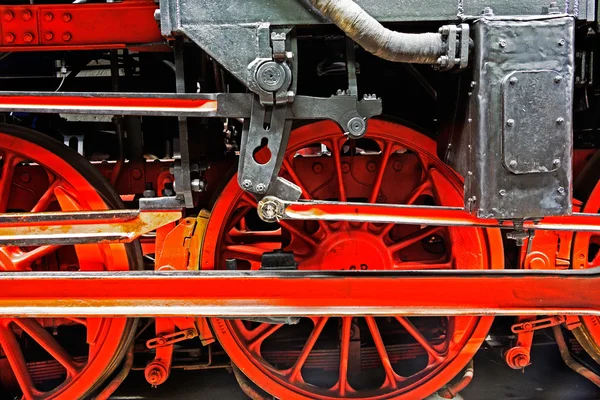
(326, 166)
(586, 254)
(35, 178)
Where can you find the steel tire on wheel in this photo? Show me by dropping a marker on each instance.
(66, 177)
(354, 171)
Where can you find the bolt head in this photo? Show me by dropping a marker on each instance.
(8, 15)
(513, 80)
(197, 185)
(66, 17)
(261, 188)
(357, 127)
(269, 210)
(26, 15)
(561, 190)
(27, 37)
(560, 121)
(510, 122)
(48, 16)
(66, 36)
(512, 163)
(246, 184)
(48, 35)
(562, 42)
(317, 168)
(502, 43)
(371, 166)
(556, 162)
(502, 192)
(557, 79)
(9, 38)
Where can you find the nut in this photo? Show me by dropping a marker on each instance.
(27, 37)
(48, 36)
(8, 15)
(66, 36)
(66, 17)
(9, 37)
(48, 16)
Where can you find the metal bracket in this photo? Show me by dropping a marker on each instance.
(457, 40)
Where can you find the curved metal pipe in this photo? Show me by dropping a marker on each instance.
(419, 48)
(450, 391)
(570, 361)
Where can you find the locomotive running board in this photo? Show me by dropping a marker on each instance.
(272, 209)
(299, 293)
(81, 227)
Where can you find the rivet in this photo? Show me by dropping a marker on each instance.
(26, 15)
(561, 190)
(66, 36)
(8, 15)
(510, 122)
(25, 177)
(512, 163)
(48, 16)
(48, 35)
(513, 80)
(371, 166)
(562, 42)
(66, 17)
(502, 192)
(317, 168)
(261, 188)
(397, 165)
(556, 162)
(345, 167)
(27, 37)
(136, 173)
(502, 43)
(557, 79)
(9, 38)
(247, 184)
(560, 121)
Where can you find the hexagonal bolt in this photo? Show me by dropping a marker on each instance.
(8, 15)
(562, 42)
(268, 210)
(197, 185)
(9, 37)
(66, 36)
(261, 188)
(28, 37)
(510, 122)
(48, 36)
(48, 16)
(560, 121)
(26, 15)
(66, 17)
(513, 163)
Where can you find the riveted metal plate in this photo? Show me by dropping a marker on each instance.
(537, 121)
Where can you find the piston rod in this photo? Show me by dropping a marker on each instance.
(271, 209)
(300, 293)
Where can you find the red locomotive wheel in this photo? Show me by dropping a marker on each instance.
(56, 358)
(586, 254)
(353, 357)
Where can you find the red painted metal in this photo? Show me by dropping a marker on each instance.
(60, 187)
(370, 172)
(78, 26)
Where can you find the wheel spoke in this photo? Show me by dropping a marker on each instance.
(24, 260)
(424, 186)
(414, 332)
(344, 355)
(48, 196)
(17, 362)
(295, 372)
(387, 151)
(265, 330)
(413, 238)
(391, 376)
(10, 161)
(44, 339)
(423, 265)
(338, 170)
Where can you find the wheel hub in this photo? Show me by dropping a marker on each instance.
(353, 249)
